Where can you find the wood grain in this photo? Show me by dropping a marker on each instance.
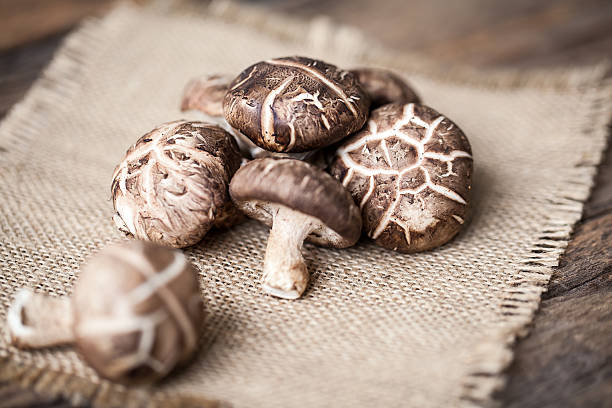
(25, 21)
(566, 360)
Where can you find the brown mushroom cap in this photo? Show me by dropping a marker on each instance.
(173, 181)
(137, 311)
(410, 171)
(206, 93)
(263, 184)
(295, 104)
(384, 87)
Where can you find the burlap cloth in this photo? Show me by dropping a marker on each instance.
(375, 328)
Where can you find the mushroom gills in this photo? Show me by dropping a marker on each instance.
(285, 274)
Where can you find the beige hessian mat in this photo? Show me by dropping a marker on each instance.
(375, 328)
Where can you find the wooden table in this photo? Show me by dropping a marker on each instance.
(566, 360)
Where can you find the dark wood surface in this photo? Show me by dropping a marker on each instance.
(566, 360)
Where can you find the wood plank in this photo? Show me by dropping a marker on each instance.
(20, 67)
(478, 32)
(24, 21)
(567, 358)
(600, 201)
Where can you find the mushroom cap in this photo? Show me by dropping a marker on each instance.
(295, 104)
(410, 171)
(262, 185)
(173, 181)
(138, 311)
(205, 93)
(199, 100)
(384, 87)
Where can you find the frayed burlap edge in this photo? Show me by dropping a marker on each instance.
(520, 302)
(51, 91)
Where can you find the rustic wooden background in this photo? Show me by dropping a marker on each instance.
(566, 360)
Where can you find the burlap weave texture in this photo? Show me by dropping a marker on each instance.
(375, 328)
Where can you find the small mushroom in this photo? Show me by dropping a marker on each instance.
(383, 87)
(205, 93)
(410, 171)
(299, 201)
(172, 184)
(295, 104)
(135, 313)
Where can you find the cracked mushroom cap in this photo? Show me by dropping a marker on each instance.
(410, 171)
(205, 94)
(262, 185)
(295, 104)
(172, 184)
(137, 311)
(384, 87)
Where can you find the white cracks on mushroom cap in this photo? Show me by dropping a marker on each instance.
(253, 70)
(325, 121)
(404, 227)
(304, 182)
(383, 146)
(308, 98)
(447, 192)
(215, 79)
(348, 177)
(349, 103)
(431, 128)
(367, 195)
(447, 157)
(458, 219)
(125, 320)
(418, 121)
(145, 325)
(408, 116)
(202, 156)
(267, 110)
(105, 310)
(291, 135)
(162, 152)
(268, 168)
(386, 218)
(127, 214)
(123, 180)
(421, 201)
(372, 127)
(449, 170)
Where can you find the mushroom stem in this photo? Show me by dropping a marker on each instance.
(35, 320)
(285, 273)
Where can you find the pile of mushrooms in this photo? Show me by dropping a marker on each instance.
(408, 170)
(315, 152)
